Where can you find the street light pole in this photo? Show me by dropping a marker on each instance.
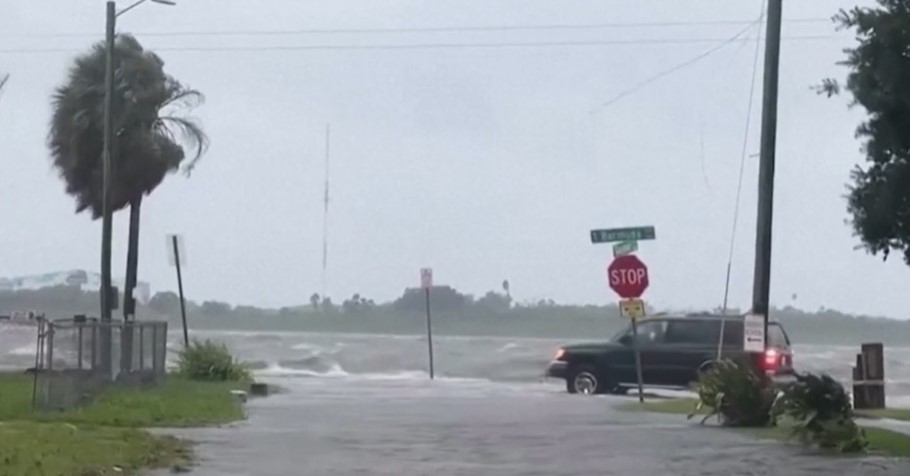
(107, 211)
(106, 191)
(761, 286)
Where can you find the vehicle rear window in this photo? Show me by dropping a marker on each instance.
(776, 336)
(695, 331)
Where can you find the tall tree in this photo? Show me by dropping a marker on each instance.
(149, 135)
(879, 82)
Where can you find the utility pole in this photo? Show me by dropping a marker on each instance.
(107, 191)
(761, 285)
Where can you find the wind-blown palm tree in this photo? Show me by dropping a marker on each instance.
(148, 142)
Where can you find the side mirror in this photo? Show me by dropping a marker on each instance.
(625, 340)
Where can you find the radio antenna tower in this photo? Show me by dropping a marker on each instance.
(325, 214)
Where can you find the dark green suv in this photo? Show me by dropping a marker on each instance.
(674, 349)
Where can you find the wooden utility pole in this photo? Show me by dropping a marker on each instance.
(761, 285)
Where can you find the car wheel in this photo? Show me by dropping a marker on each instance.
(584, 380)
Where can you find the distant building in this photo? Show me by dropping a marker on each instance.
(84, 280)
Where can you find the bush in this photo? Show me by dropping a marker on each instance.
(735, 393)
(822, 412)
(208, 361)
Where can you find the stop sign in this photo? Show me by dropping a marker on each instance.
(628, 276)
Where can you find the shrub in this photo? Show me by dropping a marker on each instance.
(822, 412)
(208, 361)
(736, 394)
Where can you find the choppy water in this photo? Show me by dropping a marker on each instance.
(397, 357)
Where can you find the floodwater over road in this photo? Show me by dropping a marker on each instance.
(364, 405)
(360, 426)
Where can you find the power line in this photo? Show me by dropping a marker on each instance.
(742, 168)
(443, 29)
(430, 46)
(677, 67)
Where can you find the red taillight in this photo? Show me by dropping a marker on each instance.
(771, 359)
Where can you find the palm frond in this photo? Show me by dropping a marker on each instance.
(190, 133)
(148, 133)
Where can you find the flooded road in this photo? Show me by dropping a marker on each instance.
(358, 426)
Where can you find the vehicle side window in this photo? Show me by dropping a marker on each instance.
(776, 336)
(733, 333)
(695, 331)
(651, 332)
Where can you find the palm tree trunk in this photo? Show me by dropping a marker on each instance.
(129, 301)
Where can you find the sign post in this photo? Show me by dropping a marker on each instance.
(628, 277)
(177, 257)
(426, 282)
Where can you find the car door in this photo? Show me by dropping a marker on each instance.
(622, 360)
(688, 343)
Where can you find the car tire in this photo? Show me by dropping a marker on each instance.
(585, 379)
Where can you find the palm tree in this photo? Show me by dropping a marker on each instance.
(148, 142)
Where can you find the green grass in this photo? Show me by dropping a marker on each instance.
(892, 413)
(881, 441)
(62, 449)
(680, 406)
(107, 433)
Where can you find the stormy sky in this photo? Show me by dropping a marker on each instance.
(485, 162)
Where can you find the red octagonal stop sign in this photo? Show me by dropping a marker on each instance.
(628, 276)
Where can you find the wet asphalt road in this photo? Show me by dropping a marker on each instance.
(387, 427)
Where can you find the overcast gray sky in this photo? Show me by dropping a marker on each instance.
(484, 163)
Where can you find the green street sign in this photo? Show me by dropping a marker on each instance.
(612, 235)
(625, 248)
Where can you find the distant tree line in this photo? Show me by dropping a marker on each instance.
(61, 301)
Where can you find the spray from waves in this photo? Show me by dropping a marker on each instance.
(276, 370)
(508, 347)
(24, 350)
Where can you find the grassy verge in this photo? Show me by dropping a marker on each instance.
(28, 448)
(680, 406)
(106, 436)
(892, 413)
(882, 441)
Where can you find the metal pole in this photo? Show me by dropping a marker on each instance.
(761, 286)
(641, 392)
(107, 191)
(186, 335)
(430, 334)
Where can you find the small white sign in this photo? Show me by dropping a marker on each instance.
(172, 252)
(754, 333)
(426, 278)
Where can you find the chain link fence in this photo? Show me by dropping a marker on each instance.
(77, 357)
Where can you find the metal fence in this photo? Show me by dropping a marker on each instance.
(77, 357)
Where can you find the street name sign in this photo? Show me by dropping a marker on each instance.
(625, 248)
(612, 235)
